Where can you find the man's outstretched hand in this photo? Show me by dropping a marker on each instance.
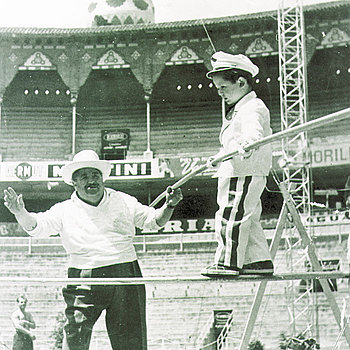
(13, 202)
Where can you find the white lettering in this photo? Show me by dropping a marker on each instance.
(130, 169)
(143, 169)
(209, 225)
(27, 170)
(185, 164)
(20, 171)
(117, 169)
(173, 226)
(10, 171)
(192, 225)
(150, 231)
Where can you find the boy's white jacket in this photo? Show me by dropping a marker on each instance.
(249, 121)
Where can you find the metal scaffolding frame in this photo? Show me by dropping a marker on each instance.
(293, 102)
(295, 154)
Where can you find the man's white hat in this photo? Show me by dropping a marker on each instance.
(85, 159)
(221, 61)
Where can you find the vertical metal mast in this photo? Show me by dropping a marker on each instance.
(295, 151)
(293, 100)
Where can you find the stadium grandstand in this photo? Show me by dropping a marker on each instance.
(136, 92)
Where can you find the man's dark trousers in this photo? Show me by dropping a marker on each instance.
(125, 308)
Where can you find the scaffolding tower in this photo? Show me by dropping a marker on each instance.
(295, 158)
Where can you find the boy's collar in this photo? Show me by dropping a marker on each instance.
(238, 104)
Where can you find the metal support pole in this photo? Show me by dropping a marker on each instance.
(148, 121)
(73, 101)
(1, 100)
(74, 127)
(289, 206)
(262, 286)
(316, 266)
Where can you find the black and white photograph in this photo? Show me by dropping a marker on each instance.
(175, 175)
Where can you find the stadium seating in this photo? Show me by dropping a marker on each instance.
(185, 128)
(325, 102)
(92, 121)
(34, 133)
(45, 134)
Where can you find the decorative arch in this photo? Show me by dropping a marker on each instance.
(259, 47)
(335, 37)
(184, 55)
(111, 60)
(37, 61)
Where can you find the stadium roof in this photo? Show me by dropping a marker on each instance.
(321, 7)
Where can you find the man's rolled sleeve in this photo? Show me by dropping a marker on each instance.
(48, 223)
(145, 217)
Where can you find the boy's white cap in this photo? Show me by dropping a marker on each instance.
(221, 61)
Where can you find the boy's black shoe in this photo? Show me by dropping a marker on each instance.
(258, 268)
(218, 270)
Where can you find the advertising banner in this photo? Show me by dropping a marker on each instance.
(51, 171)
(207, 225)
(322, 155)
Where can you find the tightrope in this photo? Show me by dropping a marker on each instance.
(177, 279)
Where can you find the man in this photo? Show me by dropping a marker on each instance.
(23, 321)
(242, 246)
(97, 226)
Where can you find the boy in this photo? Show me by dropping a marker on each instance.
(242, 246)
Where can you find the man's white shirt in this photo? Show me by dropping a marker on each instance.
(96, 236)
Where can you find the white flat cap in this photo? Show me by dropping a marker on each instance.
(221, 61)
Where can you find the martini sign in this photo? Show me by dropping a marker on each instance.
(52, 171)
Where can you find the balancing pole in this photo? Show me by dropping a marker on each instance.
(313, 124)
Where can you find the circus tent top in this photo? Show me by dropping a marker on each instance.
(121, 12)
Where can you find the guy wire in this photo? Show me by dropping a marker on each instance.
(206, 32)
